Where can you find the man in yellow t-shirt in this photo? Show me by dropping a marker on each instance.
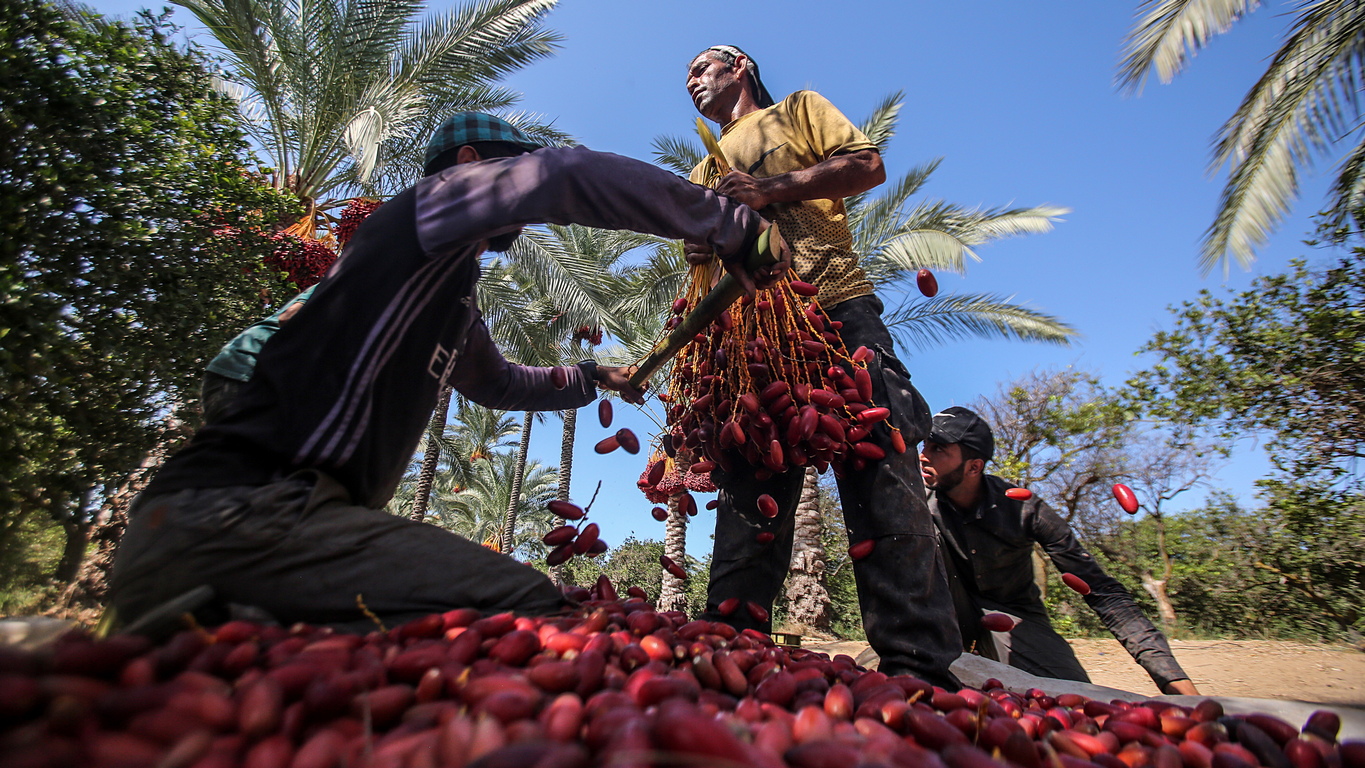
(795, 160)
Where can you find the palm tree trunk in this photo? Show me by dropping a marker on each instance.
(808, 601)
(672, 592)
(431, 457)
(566, 453)
(514, 499)
(557, 572)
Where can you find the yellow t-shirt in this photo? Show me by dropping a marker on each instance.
(796, 133)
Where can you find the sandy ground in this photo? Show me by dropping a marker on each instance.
(1324, 674)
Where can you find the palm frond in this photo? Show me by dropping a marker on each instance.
(873, 221)
(916, 249)
(999, 224)
(679, 154)
(338, 90)
(880, 126)
(924, 323)
(1168, 33)
(1304, 101)
(1346, 199)
(482, 41)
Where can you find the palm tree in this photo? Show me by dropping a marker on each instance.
(896, 240)
(342, 96)
(672, 591)
(431, 456)
(556, 281)
(475, 433)
(477, 511)
(1301, 107)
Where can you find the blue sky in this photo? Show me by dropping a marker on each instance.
(1017, 98)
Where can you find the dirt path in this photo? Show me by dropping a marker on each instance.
(1326, 674)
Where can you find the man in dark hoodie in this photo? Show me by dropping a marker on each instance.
(987, 540)
(277, 503)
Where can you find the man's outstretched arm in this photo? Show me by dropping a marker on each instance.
(1110, 601)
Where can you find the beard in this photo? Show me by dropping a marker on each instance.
(947, 482)
(502, 243)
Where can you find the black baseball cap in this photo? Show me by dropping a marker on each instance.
(962, 426)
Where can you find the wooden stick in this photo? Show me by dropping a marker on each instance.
(726, 292)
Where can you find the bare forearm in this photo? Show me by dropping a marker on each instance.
(838, 177)
(832, 179)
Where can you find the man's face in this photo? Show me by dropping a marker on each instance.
(941, 465)
(712, 84)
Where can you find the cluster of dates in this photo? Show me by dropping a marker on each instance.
(355, 212)
(615, 683)
(575, 537)
(770, 383)
(665, 477)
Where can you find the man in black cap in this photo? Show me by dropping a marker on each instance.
(796, 160)
(987, 540)
(276, 504)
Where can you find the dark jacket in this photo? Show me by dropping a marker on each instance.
(991, 549)
(348, 385)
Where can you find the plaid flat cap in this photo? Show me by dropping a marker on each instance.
(464, 128)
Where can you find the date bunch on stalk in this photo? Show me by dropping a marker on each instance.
(771, 383)
(612, 683)
(575, 537)
(668, 476)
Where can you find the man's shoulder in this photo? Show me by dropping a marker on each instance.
(997, 483)
(798, 102)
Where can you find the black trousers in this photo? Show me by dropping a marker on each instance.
(299, 549)
(903, 593)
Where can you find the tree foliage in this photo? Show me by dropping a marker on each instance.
(132, 233)
(1285, 358)
(1291, 567)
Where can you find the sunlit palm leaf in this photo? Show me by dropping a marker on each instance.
(1169, 32)
(1306, 99)
(876, 220)
(880, 126)
(1304, 103)
(941, 236)
(679, 154)
(1347, 196)
(932, 322)
(329, 84)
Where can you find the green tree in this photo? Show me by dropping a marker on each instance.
(1061, 434)
(1302, 107)
(1069, 439)
(134, 230)
(1285, 358)
(474, 433)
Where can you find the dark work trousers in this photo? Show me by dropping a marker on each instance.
(902, 590)
(1033, 645)
(299, 549)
